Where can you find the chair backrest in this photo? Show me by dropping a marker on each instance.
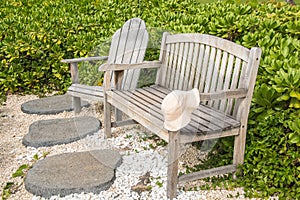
(210, 64)
(128, 46)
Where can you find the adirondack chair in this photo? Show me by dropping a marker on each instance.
(128, 46)
(223, 72)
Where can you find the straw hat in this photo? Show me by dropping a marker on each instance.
(177, 108)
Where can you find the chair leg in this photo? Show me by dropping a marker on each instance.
(76, 104)
(107, 118)
(173, 153)
(118, 115)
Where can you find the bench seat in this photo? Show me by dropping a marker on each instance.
(144, 105)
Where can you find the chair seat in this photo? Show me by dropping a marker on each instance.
(206, 122)
(86, 92)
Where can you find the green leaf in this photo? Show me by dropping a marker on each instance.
(19, 171)
(285, 51)
(295, 103)
(259, 110)
(294, 138)
(36, 157)
(295, 125)
(295, 94)
(283, 98)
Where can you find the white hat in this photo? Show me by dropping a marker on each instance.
(177, 108)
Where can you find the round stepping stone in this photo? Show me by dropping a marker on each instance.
(60, 131)
(50, 105)
(68, 173)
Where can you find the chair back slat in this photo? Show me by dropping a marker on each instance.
(128, 46)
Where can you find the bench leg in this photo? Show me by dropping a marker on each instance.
(173, 153)
(239, 149)
(107, 118)
(76, 104)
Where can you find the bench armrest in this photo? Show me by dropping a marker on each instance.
(76, 60)
(226, 94)
(120, 67)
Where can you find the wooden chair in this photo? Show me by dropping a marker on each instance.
(224, 73)
(128, 46)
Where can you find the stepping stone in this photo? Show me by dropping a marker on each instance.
(60, 131)
(50, 105)
(68, 173)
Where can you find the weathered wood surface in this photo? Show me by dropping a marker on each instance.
(86, 92)
(222, 71)
(77, 60)
(144, 104)
(207, 173)
(128, 46)
(120, 67)
(172, 179)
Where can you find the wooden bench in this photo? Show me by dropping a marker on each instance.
(223, 72)
(128, 46)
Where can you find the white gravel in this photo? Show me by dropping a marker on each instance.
(132, 142)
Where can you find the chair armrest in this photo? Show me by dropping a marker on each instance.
(120, 67)
(226, 94)
(74, 65)
(76, 60)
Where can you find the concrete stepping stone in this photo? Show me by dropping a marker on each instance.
(60, 131)
(68, 173)
(50, 105)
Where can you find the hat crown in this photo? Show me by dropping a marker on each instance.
(173, 102)
(177, 107)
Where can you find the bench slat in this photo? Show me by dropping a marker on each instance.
(149, 100)
(227, 80)
(200, 119)
(240, 85)
(212, 41)
(210, 69)
(221, 76)
(142, 102)
(215, 72)
(192, 127)
(234, 84)
(203, 108)
(139, 115)
(194, 67)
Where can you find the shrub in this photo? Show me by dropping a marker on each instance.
(37, 34)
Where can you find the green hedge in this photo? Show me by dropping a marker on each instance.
(36, 34)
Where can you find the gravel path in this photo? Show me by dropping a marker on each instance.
(142, 174)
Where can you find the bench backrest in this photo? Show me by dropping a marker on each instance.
(210, 64)
(128, 46)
